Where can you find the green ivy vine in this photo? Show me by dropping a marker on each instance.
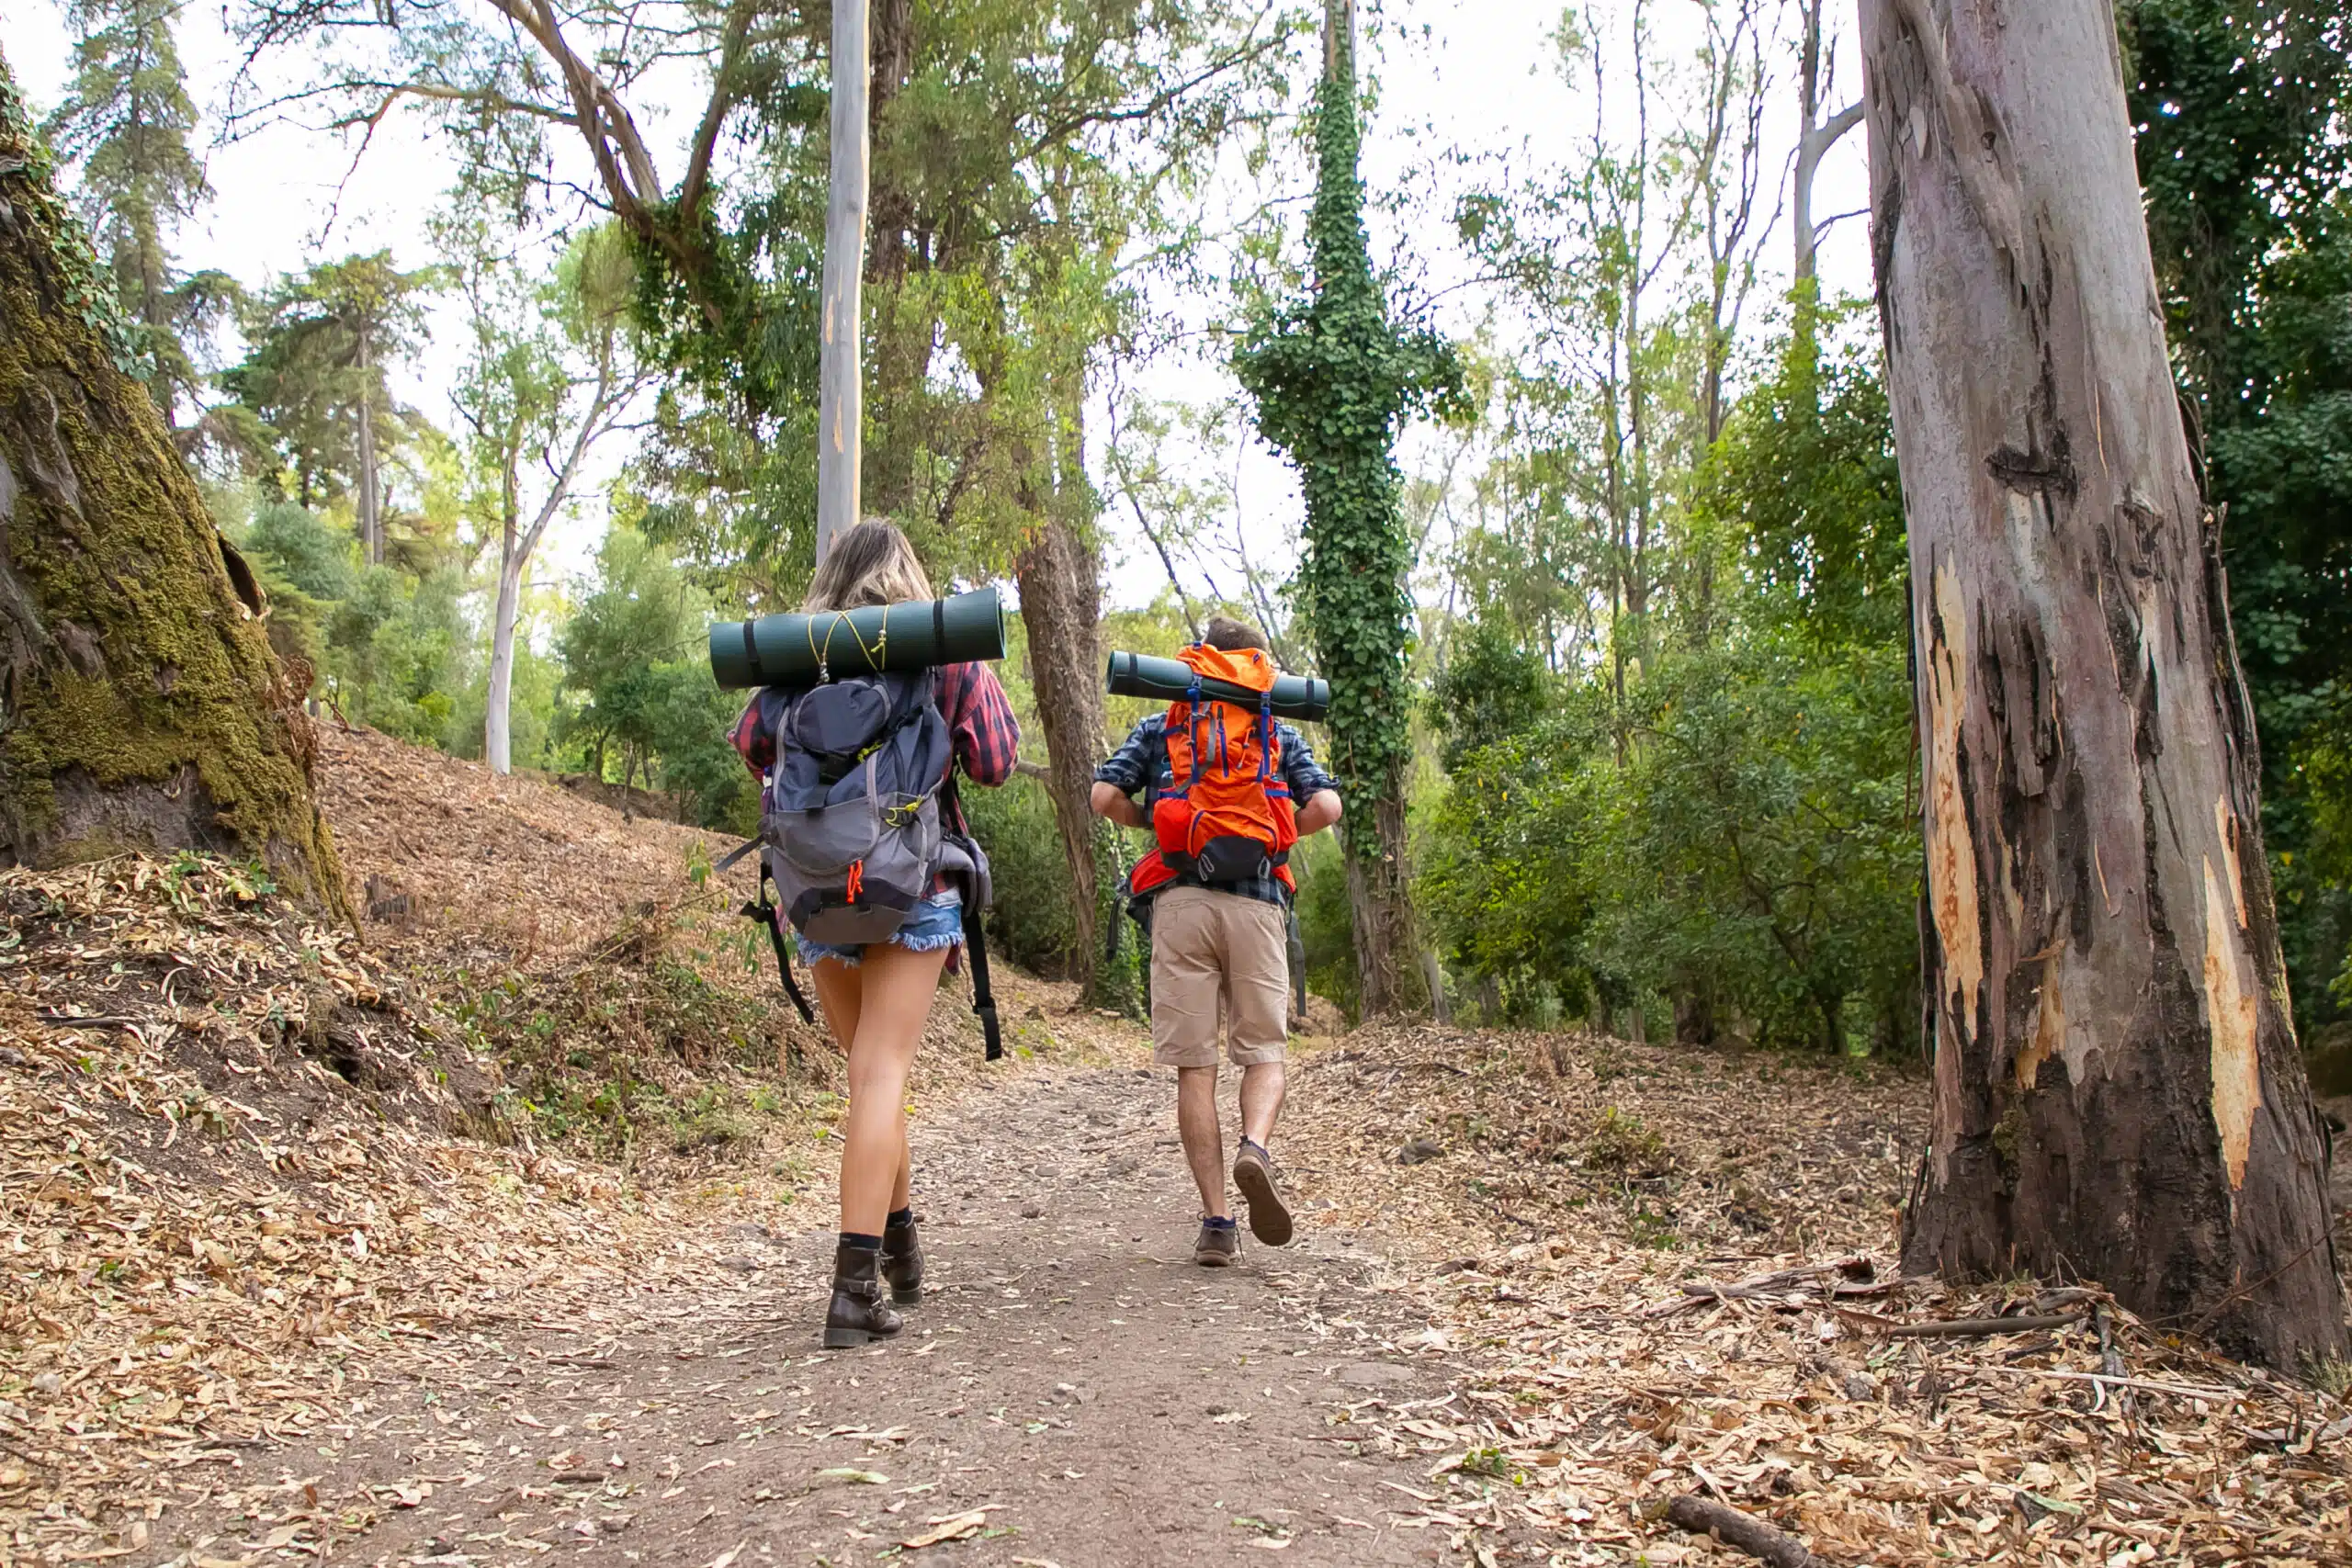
(1333, 377)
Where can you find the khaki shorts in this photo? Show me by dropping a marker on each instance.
(1218, 956)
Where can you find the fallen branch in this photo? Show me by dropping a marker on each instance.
(1975, 1327)
(1767, 1544)
(1858, 1277)
(2141, 1385)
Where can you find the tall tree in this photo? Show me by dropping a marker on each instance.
(2117, 1088)
(1816, 74)
(142, 706)
(553, 372)
(1333, 377)
(125, 122)
(322, 342)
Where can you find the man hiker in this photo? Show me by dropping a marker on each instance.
(1226, 791)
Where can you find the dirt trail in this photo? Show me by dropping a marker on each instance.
(1072, 1372)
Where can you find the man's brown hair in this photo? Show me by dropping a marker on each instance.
(1229, 636)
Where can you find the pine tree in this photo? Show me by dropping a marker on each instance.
(315, 377)
(125, 125)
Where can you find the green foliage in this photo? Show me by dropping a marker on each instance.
(1326, 921)
(1806, 471)
(634, 652)
(2244, 153)
(1726, 824)
(1030, 923)
(1491, 688)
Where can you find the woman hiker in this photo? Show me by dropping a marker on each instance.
(876, 996)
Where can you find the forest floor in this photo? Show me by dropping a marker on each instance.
(496, 1233)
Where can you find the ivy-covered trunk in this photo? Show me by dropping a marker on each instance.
(1332, 378)
(2118, 1092)
(141, 705)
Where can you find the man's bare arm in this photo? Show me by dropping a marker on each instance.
(1322, 811)
(1113, 805)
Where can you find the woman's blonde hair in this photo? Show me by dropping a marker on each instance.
(870, 563)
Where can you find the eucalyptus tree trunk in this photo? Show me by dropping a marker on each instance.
(2118, 1092)
(1061, 609)
(371, 522)
(498, 708)
(841, 399)
(140, 704)
(1816, 137)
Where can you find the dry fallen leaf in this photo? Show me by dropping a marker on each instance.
(952, 1527)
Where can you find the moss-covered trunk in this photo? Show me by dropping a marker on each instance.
(139, 702)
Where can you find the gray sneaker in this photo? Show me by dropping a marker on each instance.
(1253, 1172)
(1218, 1246)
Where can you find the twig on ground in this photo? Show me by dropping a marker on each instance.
(2142, 1386)
(1767, 1544)
(1970, 1328)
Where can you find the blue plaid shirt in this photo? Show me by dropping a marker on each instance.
(1141, 763)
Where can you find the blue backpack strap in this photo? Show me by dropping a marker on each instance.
(1192, 731)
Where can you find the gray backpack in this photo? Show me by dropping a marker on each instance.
(852, 830)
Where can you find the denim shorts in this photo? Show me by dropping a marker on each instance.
(936, 922)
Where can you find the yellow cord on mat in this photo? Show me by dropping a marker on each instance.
(874, 656)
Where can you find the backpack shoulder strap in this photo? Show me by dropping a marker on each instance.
(763, 911)
(976, 942)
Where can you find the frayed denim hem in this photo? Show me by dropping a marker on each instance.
(921, 933)
(928, 944)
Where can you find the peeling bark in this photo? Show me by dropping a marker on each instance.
(1061, 609)
(2117, 1091)
(140, 704)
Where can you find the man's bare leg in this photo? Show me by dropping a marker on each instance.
(1196, 1123)
(1263, 1085)
(1253, 1168)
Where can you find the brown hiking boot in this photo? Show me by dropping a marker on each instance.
(902, 1262)
(1219, 1245)
(1253, 1172)
(858, 1315)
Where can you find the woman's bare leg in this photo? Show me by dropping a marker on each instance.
(841, 995)
(896, 988)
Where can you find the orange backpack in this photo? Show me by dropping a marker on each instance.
(1229, 816)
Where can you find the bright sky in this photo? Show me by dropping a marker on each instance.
(1479, 76)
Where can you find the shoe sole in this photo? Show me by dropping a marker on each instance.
(1213, 1259)
(1269, 1218)
(906, 1295)
(851, 1338)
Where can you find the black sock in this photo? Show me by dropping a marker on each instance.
(861, 1242)
(901, 1218)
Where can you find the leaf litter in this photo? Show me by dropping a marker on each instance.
(1665, 1273)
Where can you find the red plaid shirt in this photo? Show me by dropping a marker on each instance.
(972, 701)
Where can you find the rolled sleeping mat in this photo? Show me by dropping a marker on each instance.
(798, 650)
(1171, 680)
